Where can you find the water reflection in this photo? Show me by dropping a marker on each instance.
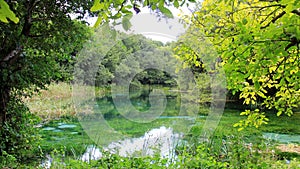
(282, 138)
(104, 123)
(159, 140)
(139, 98)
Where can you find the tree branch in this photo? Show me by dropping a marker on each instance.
(122, 5)
(274, 20)
(269, 0)
(258, 7)
(294, 42)
(28, 18)
(267, 16)
(296, 11)
(13, 54)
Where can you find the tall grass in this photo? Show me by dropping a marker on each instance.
(56, 102)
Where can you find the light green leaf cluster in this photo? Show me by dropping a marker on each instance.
(254, 118)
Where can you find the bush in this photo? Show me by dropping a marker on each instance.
(200, 158)
(7, 160)
(230, 152)
(18, 136)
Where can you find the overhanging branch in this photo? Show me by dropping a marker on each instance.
(274, 19)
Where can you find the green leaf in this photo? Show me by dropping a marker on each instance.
(165, 11)
(117, 16)
(256, 85)
(250, 53)
(114, 34)
(176, 4)
(153, 7)
(261, 94)
(126, 9)
(244, 21)
(279, 113)
(161, 3)
(99, 21)
(97, 6)
(5, 13)
(126, 22)
(282, 82)
(146, 3)
(236, 125)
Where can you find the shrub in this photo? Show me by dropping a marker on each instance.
(18, 136)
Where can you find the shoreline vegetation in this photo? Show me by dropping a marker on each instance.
(55, 106)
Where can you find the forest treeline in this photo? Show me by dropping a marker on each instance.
(100, 64)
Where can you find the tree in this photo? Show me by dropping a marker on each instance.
(126, 57)
(32, 51)
(258, 42)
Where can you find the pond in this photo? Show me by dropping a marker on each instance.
(162, 141)
(110, 130)
(120, 116)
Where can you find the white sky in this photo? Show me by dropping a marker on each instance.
(168, 29)
(164, 30)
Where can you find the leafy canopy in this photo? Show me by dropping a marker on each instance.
(258, 42)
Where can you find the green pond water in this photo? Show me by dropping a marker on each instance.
(114, 126)
(110, 125)
(282, 138)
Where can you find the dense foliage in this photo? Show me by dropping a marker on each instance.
(258, 44)
(98, 64)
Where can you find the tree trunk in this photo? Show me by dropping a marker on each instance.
(7, 66)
